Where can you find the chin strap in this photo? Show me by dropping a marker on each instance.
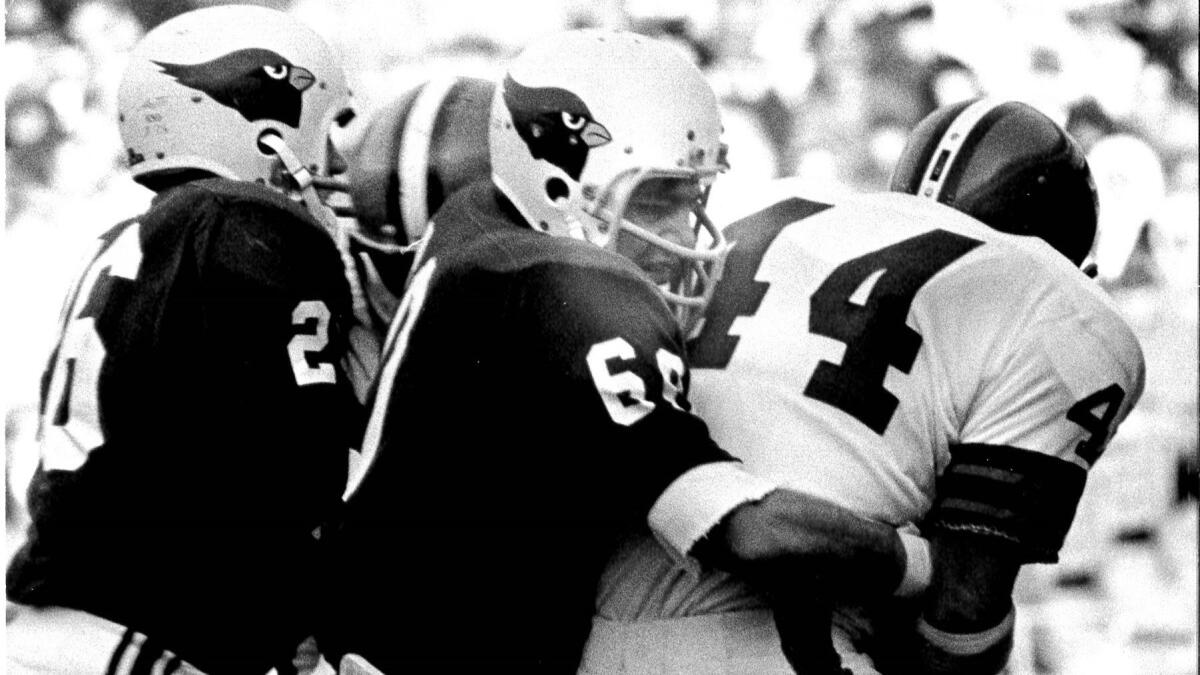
(364, 344)
(303, 179)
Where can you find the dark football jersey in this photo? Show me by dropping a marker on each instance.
(532, 407)
(195, 427)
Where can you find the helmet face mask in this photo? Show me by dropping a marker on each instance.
(656, 218)
(205, 92)
(583, 118)
(1008, 166)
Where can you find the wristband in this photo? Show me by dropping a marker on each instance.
(918, 566)
(967, 644)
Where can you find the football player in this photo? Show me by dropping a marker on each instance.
(532, 404)
(195, 418)
(415, 152)
(948, 364)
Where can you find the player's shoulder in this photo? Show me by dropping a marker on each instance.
(571, 278)
(1014, 259)
(1017, 284)
(236, 230)
(528, 252)
(731, 202)
(483, 249)
(232, 203)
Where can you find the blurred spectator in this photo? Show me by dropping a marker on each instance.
(1130, 186)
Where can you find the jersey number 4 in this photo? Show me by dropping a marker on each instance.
(873, 327)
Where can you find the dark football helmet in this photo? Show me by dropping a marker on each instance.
(1007, 165)
(416, 151)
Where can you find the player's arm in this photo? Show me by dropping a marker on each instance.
(692, 490)
(997, 508)
(704, 503)
(698, 500)
(966, 625)
(1009, 498)
(804, 555)
(787, 532)
(610, 344)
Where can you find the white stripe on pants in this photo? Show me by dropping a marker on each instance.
(59, 640)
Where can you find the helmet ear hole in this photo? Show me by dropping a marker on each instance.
(263, 147)
(556, 189)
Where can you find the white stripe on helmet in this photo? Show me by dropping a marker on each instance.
(949, 145)
(413, 162)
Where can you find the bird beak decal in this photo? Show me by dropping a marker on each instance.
(301, 78)
(258, 83)
(595, 134)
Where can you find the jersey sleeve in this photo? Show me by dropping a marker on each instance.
(1061, 393)
(620, 345)
(1035, 429)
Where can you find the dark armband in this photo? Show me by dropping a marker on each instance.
(1008, 494)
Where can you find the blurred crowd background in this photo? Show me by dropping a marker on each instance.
(824, 90)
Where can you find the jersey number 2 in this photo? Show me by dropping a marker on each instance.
(863, 303)
(310, 313)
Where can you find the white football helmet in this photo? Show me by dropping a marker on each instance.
(231, 90)
(581, 118)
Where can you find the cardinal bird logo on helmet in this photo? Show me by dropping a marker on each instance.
(555, 124)
(258, 83)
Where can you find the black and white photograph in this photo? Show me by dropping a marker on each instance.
(601, 337)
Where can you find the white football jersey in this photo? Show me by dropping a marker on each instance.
(852, 350)
(851, 347)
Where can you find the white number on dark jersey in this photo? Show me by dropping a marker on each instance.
(303, 344)
(623, 392)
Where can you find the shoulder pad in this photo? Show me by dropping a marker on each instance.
(226, 193)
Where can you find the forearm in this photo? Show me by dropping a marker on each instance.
(966, 625)
(788, 530)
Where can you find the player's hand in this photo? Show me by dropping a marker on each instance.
(805, 623)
